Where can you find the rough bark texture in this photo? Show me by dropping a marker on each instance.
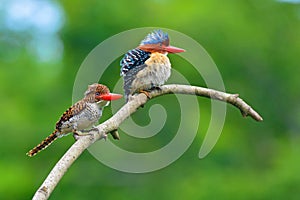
(114, 122)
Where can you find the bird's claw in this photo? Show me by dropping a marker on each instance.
(78, 134)
(146, 93)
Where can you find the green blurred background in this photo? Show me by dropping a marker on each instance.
(256, 46)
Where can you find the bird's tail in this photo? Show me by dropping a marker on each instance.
(43, 145)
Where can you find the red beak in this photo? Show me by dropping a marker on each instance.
(110, 97)
(171, 49)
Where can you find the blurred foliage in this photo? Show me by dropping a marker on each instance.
(255, 45)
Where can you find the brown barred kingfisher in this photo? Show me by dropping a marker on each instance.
(147, 67)
(82, 115)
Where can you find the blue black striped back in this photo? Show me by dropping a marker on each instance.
(133, 58)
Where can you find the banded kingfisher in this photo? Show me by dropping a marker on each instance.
(82, 115)
(147, 67)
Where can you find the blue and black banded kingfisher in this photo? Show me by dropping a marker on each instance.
(147, 67)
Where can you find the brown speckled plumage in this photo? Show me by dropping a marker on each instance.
(81, 115)
(44, 144)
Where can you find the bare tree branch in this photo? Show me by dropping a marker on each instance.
(114, 122)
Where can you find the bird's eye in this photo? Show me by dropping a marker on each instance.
(97, 93)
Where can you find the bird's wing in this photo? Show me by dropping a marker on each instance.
(132, 59)
(68, 114)
(132, 62)
(129, 78)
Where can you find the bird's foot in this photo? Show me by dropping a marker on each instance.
(77, 134)
(84, 132)
(146, 93)
(104, 136)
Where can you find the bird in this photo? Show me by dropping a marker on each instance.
(147, 67)
(83, 114)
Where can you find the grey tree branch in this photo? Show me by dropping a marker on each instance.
(114, 122)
